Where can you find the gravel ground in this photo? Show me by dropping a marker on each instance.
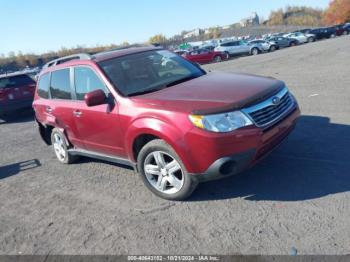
(296, 200)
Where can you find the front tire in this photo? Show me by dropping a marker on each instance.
(272, 48)
(311, 39)
(163, 172)
(60, 147)
(255, 51)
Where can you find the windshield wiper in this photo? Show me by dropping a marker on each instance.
(142, 92)
(179, 81)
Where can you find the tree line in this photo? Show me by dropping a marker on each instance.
(337, 12)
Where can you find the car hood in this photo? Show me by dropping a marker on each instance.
(213, 93)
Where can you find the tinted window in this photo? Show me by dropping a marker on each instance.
(43, 86)
(230, 44)
(60, 84)
(16, 81)
(86, 81)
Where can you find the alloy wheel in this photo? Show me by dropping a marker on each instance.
(163, 172)
(59, 147)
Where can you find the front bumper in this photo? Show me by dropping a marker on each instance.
(235, 163)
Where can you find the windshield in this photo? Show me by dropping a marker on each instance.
(149, 71)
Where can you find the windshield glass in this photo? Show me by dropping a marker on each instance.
(149, 71)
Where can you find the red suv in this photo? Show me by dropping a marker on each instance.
(175, 125)
(16, 92)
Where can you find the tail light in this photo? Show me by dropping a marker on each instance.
(2, 94)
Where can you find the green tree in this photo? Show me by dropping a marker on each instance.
(160, 38)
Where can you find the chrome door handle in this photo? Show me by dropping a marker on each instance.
(77, 113)
(48, 109)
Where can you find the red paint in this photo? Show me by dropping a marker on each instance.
(204, 56)
(164, 114)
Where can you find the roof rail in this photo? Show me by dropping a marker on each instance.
(121, 48)
(65, 59)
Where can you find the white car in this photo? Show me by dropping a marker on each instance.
(302, 38)
(237, 48)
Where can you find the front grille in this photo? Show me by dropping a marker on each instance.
(269, 112)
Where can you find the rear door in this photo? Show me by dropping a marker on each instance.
(98, 126)
(243, 47)
(61, 106)
(205, 56)
(233, 47)
(282, 41)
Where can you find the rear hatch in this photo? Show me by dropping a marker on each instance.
(16, 88)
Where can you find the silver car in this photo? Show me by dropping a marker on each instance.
(238, 48)
(264, 46)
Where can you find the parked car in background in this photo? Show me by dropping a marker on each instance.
(302, 38)
(203, 56)
(321, 33)
(281, 41)
(238, 48)
(346, 29)
(304, 31)
(176, 127)
(181, 52)
(16, 92)
(264, 46)
(342, 29)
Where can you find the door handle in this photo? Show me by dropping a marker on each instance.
(48, 109)
(77, 113)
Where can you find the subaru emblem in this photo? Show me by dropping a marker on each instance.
(276, 100)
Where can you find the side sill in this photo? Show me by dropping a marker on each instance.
(108, 158)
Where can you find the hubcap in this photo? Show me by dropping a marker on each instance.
(58, 145)
(163, 172)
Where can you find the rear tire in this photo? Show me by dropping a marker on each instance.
(163, 172)
(60, 147)
(272, 48)
(217, 59)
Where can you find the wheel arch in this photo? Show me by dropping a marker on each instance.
(145, 130)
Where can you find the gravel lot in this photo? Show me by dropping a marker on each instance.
(296, 200)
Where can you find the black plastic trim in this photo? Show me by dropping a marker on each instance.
(241, 162)
(109, 158)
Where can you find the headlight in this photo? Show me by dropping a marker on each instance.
(221, 123)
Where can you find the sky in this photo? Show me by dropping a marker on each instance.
(40, 25)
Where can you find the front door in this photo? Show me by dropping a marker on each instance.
(98, 126)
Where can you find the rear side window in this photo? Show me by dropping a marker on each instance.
(86, 80)
(60, 84)
(43, 86)
(16, 81)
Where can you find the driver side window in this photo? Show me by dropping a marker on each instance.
(85, 81)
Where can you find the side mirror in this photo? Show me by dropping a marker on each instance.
(95, 98)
